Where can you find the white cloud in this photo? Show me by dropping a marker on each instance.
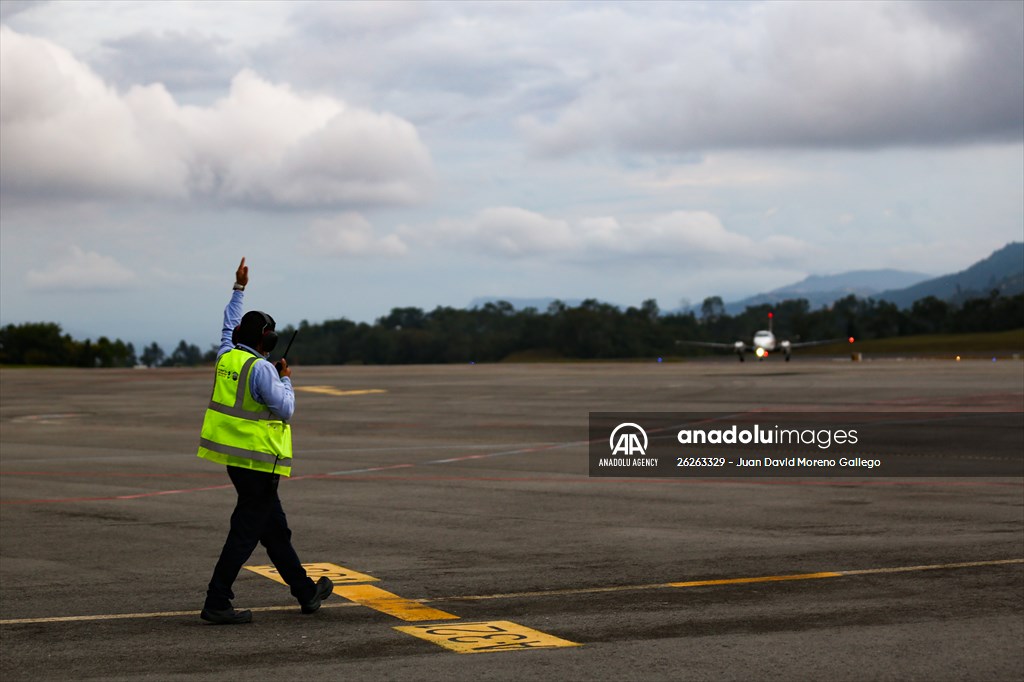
(83, 271)
(501, 231)
(722, 170)
(65, 131)
(351, 235)
(683, 236)
(8, 8)
(811, 75)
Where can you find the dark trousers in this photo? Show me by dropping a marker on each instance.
(258, 518)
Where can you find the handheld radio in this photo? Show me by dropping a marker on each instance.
(284, 356)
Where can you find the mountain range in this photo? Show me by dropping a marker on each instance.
(1003, 271)
(823, 290)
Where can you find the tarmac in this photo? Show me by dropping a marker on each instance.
(453, 506)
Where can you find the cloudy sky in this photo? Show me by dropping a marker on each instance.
(364, 156)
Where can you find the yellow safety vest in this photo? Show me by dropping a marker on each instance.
(237, 430)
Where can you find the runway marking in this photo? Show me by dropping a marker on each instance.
(553, 593)
(932, 567)
(503, 453)
(346, 585)
(53, 418)
(348, 475)
(159, 614)
(339, 575)
(362, 471)
(439, 446)
(112, 474)
(735, 581)
(759, 579)
(136, 496)
(381, 600)
(490, 636)
(331, 390)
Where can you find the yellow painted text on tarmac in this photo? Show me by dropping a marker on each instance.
(479, 638)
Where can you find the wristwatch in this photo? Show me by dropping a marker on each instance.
(238, 287)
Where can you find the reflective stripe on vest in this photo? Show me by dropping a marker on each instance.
(244, 433)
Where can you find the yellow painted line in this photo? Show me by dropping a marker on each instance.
(540, 593)
(554, 593)
(727, 581)
(932, 567)
(331, 390)
(391, 604)
(490, 636)
(347, 585)
(759, 579)
(339, 575)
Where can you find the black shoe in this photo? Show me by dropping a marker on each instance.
(226, 616)
(324, 587)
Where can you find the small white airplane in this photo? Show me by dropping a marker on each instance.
(764, 344)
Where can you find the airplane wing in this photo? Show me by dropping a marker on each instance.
(711, 344)
(823, 342)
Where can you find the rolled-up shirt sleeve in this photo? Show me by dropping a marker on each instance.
(271, 390)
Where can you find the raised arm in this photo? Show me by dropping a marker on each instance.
(233, 311)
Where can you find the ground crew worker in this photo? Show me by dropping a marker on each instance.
(246, 428)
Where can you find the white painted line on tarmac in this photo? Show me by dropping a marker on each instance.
(158, 614)
(488, 455)
(364, 471)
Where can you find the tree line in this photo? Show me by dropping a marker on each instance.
(498, 331)
(45, 343)
(596, 330)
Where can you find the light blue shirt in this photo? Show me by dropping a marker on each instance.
(266, 386)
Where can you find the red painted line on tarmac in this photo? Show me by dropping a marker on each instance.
(980, 402)
(156, 493)
(108, 474)
(171, 492)
(135, 496)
